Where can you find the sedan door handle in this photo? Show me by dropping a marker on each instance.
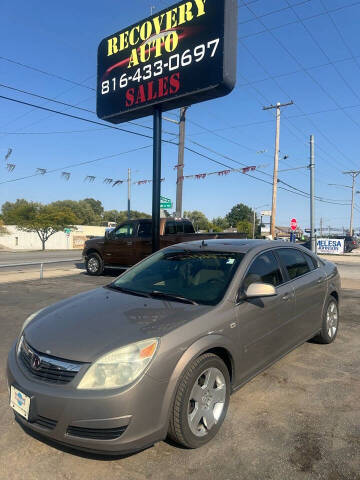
(286, 297)
(321, 280)
(129, 243)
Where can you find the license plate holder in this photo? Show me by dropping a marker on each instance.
(20, 402)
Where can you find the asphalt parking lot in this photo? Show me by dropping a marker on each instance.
(300, 419)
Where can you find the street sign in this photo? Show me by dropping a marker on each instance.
(165, 203)
(183, 55)
(293, 224)
(266, 213)
(67, 231)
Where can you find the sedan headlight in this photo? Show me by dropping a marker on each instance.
(119, 367)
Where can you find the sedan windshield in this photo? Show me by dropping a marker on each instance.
(187, 276)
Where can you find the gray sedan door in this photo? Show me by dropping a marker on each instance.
(309, 283)
(264, 324)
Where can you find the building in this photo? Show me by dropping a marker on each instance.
(16, 239)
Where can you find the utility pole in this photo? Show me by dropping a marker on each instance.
(312, 195)
(321, 227)
(129, 192)
(278, 107)
(254, 221)
(180, 165)
(354, 174)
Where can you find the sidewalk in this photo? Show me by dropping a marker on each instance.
(22, 276)
(353, 257)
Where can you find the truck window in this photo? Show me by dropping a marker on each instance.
(188, 227)
(125, 230)
(145, 230)
(179, 227)
(170, 228)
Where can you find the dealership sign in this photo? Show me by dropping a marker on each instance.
(182, 55)
(333, 246)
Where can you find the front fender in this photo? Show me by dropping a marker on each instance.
(201, 345)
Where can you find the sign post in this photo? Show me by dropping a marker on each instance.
(182, 55)
(157, 124)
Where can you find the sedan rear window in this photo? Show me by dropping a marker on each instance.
(294, 262)
(264, 269)
(198, 276)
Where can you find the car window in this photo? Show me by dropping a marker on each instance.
(188, 227)
(170, 228)
(311, 261)
(179, 227)
(294, 262)
(201, 276)
(264, 269)
(145, 229)
(125, 230)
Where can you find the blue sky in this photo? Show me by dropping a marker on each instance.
(306, 51)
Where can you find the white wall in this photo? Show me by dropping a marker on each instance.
(18, 240)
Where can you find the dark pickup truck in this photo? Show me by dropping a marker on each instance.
(131, 242)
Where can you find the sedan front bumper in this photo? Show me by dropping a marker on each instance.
(113, 422)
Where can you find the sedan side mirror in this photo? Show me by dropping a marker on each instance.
(256, 290)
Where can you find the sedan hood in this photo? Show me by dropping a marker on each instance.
(84, 327)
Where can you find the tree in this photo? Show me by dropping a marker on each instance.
(83, 210)
(3, 230)
(240, 213)
(198, 219)
(8, 209)
(220, 223)
(95, 205)
(45, 220)
(114, 216)
(134, 214)
(244, 227)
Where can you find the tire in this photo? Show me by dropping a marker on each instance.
(94, 264)
(330, 323)
(196, 417)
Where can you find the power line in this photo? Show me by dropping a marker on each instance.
(283, 90)
(273, 11)
(340, 34)
(87, 130)
(87, 162)
(265, 173)
(80, 118)
(314, 67)
(48, 99)
(325, 54)
(35, 69)
(32, 94)
(293, 22)
(299, 193)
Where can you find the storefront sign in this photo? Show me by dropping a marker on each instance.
(332, 246)
(180, 56)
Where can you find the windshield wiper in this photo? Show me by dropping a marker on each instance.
(172, 296)
(126, 290)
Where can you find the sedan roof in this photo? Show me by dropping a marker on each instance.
(232, 245)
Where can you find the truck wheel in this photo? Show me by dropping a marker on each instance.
(330, 323)
(94, 264)
(201, 402)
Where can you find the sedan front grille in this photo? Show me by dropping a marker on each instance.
(45, 422)
(96, 433)
(46, 368)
